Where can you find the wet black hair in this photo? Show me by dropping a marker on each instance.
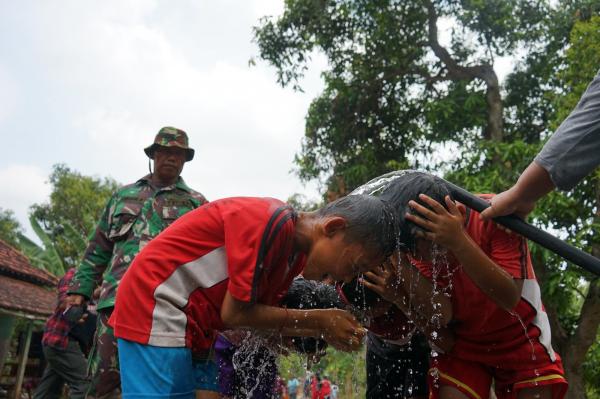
(406, 187)
(309, 294)
(371, 221)
(357, 295)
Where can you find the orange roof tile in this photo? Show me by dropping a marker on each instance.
(16, 265)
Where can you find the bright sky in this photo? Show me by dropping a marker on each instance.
(90, 83)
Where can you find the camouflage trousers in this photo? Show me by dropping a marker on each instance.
(103, 362)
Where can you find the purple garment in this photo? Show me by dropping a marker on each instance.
(259, 365)
(224, 351)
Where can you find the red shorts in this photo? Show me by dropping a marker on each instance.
(475, 379)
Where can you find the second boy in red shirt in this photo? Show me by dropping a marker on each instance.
(502, 333)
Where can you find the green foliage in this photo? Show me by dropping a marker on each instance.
(591, 369)
(346, 370)
(386, 99)
(492, 167)
(47, 256)
(582, 58)
(581, 217)
(10, 228)
(500, 25)
(292, 365)
(300, 203)
(76, 203)
(62, 224)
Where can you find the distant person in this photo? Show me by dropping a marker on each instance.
(306, 385)
(227, 265)
(325, 388)
(280, 388)
(292, 387)
(134, 215)
(63, 353)
(315, 385)
(572, 153)
(334, 391)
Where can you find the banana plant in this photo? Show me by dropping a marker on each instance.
(47, 256)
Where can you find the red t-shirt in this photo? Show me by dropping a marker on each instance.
(325, 389)
(172, 294)
(314, 388)
(392, 326)
(485, 332)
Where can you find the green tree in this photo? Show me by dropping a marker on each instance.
(10, 228)
(300, 203)
(578, 333)
(395, 95)
(392, 89)
(346, 370)
(47, 256)
(76, 202)
(571, 296)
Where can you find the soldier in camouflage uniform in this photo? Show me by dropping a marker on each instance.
(134, 215)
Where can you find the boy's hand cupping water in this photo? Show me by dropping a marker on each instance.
(399, 283)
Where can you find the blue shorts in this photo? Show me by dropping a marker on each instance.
(157, 372)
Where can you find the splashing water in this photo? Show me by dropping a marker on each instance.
(378, 184)
(255, 361)
(516, 315)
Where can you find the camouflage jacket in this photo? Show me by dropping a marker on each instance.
(134, 215)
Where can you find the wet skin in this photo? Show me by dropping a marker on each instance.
(335, 258)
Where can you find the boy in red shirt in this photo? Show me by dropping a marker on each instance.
(502, 333)
(225, 266)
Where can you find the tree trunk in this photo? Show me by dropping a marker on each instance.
(495, 124)
(573, 348)
(579, 343)
(494, 129)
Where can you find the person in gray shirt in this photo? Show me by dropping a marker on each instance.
(572, 153)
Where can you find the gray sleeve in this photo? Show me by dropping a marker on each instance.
(573, 151)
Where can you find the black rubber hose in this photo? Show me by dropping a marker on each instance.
(518, 225)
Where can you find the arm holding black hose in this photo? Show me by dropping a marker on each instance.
(516, 224)
(520, 199)
(571, 154)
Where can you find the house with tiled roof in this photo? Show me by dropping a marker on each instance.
(26, 292)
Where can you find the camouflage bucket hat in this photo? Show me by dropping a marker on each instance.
(171, 137)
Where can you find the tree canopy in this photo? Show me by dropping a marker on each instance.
(10, 228)
(69, 217)
(396, 85)
(62, 224)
